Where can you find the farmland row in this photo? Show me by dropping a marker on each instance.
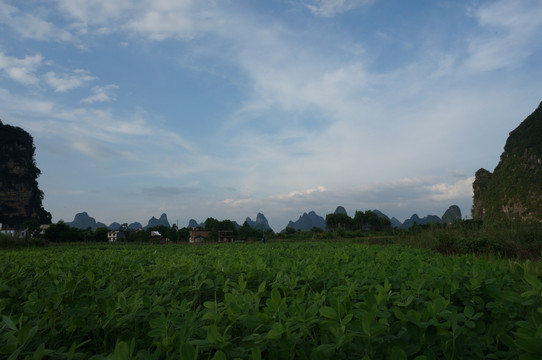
(297, 300)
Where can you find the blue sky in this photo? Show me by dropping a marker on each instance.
(229, 108)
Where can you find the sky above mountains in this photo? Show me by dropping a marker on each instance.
(229, 108)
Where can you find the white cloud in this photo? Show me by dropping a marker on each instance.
(414, 192)
(156, 20)
(280, 198)
(510, 32)
(101, 134)
(329, 8)
(134, 127)
(92, 148)
(101, 94)
(26, 71)
(30, 26)
(169, 191)
(446, 191)
(164, 19)
(298, 194)
(65, 82)
(21, 70)
(97, 12)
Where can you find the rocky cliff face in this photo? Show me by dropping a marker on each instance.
(452, 215)
(20, 197)
(260, 223)
(415, 219)
(162, 221)
(308, 221)
(83, 221)
(513, 192)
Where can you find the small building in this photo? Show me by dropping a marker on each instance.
(116, 235)
(225, 236)
(10, 231)
(198, 235)
(43, 228)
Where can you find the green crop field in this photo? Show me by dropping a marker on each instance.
(278, 301)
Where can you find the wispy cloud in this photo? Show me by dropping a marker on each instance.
(328, 8)
(30, 26)
(101, 94)
(164, 20)
(168, 191)
(292, 195)
(510, 32)
(446, 191)
(96, 13)
(298, 194)
(26, 71)
(65, 82)
(154, 20)
(94, 148)
(21, 70)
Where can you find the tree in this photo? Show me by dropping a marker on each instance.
(212, 225)
(183, 234)
(359, 220)
(100, 234)
(226, 225)
(290, 230)
(60, 232)
(245, 231)
(369, 220)
(338, 221)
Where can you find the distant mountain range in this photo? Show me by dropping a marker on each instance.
(311, 220)
(306, 221)
(83, 221)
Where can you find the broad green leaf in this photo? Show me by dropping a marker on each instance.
(532, 345)
(324, 351)
(398, 314)
(188, 352)
(71, 352)
(275, 296)
(468, 311)
(347, 318)
(219, 355)
(9, 323)
(511, 296)
(89, 275)
(261, 288)
(14, 355)
(533, 281)
(398, 354)
(122, 351)
(256, 354)
(366, 321)
(329, 312)
(276, 331)
(213, 336)
(41, 352)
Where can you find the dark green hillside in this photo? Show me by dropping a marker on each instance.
(20, 197)
(513, 193)
(527, 136)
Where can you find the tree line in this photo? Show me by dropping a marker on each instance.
(362, 221)
(62, 232)
(367, 220)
